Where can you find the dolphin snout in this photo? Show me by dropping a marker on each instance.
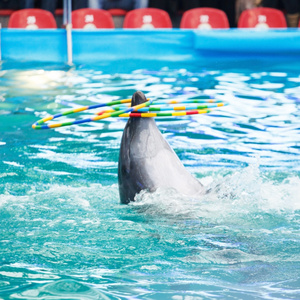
(138, 98)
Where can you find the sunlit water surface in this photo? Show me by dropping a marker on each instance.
(64, 234)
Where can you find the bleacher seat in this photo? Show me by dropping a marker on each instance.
(4, 16)
(34, 18)
(147, 18)
(204, 18)
(88, 18)
(59, 12)
(6, 12)
(118, 16)
(262, 17)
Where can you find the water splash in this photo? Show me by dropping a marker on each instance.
(245, 192)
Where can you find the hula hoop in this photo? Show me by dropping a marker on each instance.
(39, 124)
(175, 114)
(138, 111)
(176, 108)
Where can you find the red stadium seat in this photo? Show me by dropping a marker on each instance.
(4, 16)
(147, 18)
(6, 12)
(32, 19)
(204, 18)
(59, 12)
(262, 17)
(88, 18)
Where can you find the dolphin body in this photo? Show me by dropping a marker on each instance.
(147, 162)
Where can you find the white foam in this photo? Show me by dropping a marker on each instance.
(231, 198)
(13, 163)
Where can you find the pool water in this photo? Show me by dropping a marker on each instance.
(64, 233)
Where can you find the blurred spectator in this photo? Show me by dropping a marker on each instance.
(27, 4)
(122, 4)
(10, 4)
(242, 5)
(170, 6)
(228, 6)
(51, 5)
(291, 8)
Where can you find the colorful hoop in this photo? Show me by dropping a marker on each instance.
(141, 111)
(39, 124)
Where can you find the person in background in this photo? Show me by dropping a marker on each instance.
(28, 3)
(171, 6)
(291, 7)
(10, 4)
(121, 4)
(51, 5)
(227, 6)
(242, 5)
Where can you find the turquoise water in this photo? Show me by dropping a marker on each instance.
(64, 234)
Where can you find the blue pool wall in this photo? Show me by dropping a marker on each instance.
(49, 45)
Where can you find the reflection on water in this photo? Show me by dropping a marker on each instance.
(64, 234)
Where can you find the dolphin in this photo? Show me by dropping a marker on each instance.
(147, 162)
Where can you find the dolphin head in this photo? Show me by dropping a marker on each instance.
(138, 98)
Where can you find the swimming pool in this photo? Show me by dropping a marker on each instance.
(64, 233)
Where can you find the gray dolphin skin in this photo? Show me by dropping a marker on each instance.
(147, 162)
